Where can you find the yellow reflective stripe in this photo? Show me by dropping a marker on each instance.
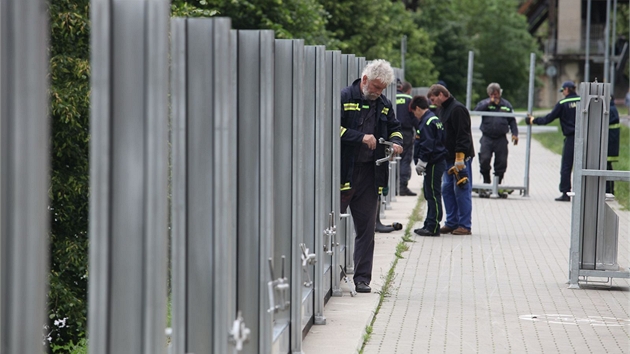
(400, 101)
(380, 190)
(613, 158)
(432, 119)
(572, 99)
(614, 126)
(385, 110)
(343, 130)
(404, 95)
(351, 107)
(507, 109)
(398, 134)
(345, 186)
(366, 106)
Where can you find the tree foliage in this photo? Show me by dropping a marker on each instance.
(69, 109)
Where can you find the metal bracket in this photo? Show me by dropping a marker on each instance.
(307, 259)
(389, 151)
(279, 287)
(239, 334)
(330, 235)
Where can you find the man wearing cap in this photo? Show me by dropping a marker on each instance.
(565, 110)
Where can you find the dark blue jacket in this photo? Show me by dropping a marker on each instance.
(429, 147)
(386, 127)
(406, 118)
(565, 110)
(613, 133)
(495, 127)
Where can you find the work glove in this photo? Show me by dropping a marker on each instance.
(529, 119)
(459, 161)
(462, 178)
(421, 166)
(515, 139)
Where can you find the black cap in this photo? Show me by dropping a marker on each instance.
(566, 84)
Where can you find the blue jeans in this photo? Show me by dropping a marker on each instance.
(457, 201)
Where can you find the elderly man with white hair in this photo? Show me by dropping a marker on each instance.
(366, 116)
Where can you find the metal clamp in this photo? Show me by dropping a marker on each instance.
(389, 151)
(307, 260)
(279, 287)
(239, 334)
(330, 233)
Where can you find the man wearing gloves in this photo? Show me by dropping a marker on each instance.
(565, 110)
(430, 155)
(456, 181)
(493, 139)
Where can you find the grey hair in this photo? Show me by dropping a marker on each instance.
(494, 87)
(380, 70)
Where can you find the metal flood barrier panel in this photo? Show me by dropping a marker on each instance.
(594, 224)
(128, 177)
(262, 287)
(24, 164)
(296, 259)
(204, 312)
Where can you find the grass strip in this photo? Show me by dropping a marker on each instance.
(391, 274)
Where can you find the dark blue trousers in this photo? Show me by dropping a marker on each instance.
(362, 199)
(567, 164)
(432, 189)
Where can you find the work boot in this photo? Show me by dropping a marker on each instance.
(404, 191)
(563, 198)
(446, 230)
(461, 231)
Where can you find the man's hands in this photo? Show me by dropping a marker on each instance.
(421, 166)
(529, 119)
(515, 139)
(370, 141)
(397, 149)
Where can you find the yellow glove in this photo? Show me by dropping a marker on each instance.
(459, 161)
(515, 139)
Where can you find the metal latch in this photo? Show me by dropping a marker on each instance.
(389, 151)
(278, 290)
(330, 234)
(307, 260)
(239, 334)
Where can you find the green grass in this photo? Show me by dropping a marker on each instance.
(554, 141)
(391, 274)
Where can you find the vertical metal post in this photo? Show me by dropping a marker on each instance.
(333, 102)
(204, 208)
(24, 177)
(471, 58)
(128, 169)
(587, 47)
(613, 48)
(403, 51)
(530, 110)
(607, 42)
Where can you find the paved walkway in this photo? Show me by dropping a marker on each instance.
(501, 290)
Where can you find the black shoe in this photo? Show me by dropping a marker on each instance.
(425, 232)
(362, 287)
(563, 198)
(405, 191)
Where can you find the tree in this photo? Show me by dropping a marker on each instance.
(374, 29)
(69, 109)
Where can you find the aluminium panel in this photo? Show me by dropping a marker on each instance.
(24, 177)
